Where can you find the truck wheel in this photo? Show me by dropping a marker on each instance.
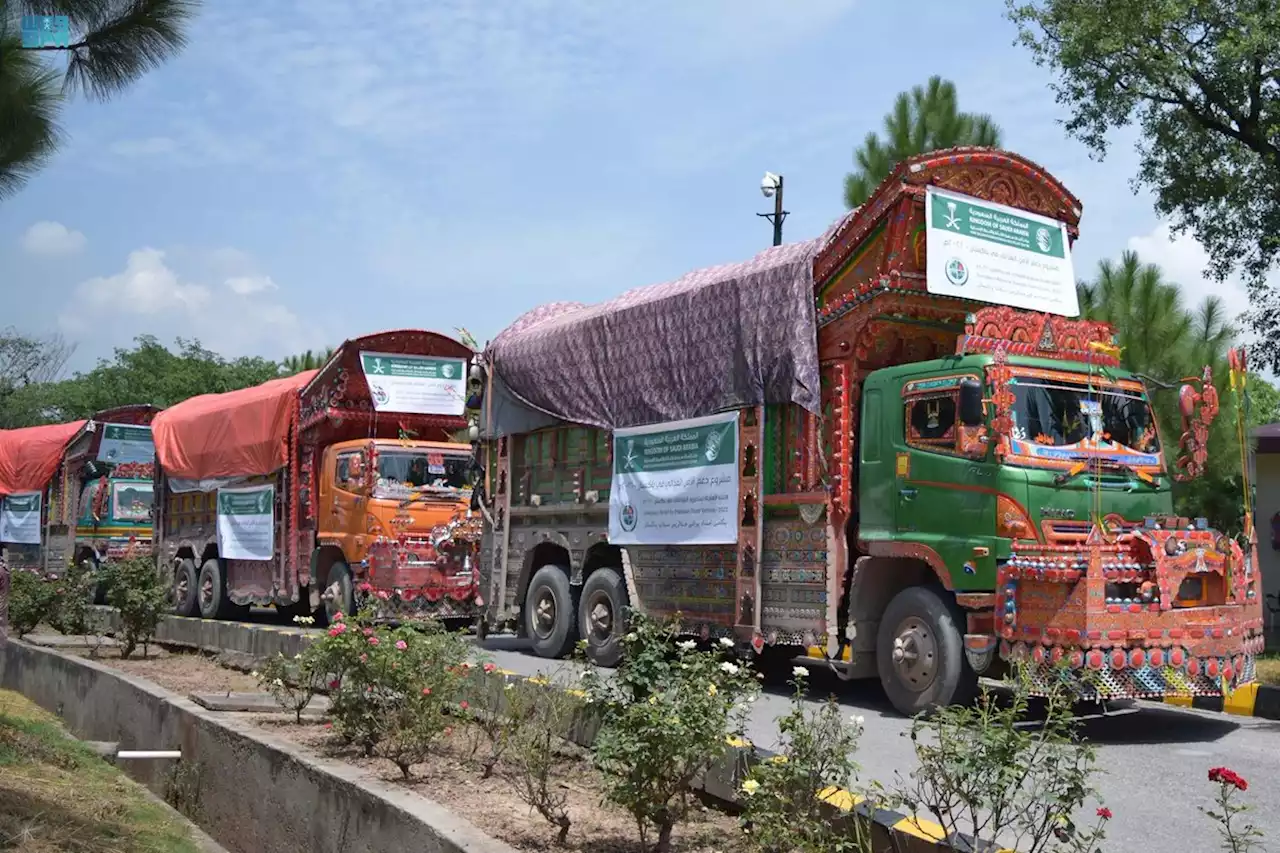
(601, 616)
(339, 594)
(185, 588)
(920, 653)
(211, 597)
(548, 612)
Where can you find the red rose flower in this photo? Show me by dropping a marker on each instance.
(1227, 776)
(1104, 813)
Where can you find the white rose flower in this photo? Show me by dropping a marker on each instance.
(799, 671)
(731, 668)
(727, 642)
(687, 645)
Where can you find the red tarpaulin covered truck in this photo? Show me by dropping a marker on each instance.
(80, 491)
(328, 488)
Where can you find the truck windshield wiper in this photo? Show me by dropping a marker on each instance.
(1101, 464)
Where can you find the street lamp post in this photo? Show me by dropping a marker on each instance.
(771, 187)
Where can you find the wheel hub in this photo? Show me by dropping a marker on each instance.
(332, 597)
(915, 654)
(206, 592)
(544, 614)
(601, 618)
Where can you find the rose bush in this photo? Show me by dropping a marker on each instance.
(390, 688)
(667, 715)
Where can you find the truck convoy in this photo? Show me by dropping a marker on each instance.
(77, 492)
(325, 490)
(889, 450)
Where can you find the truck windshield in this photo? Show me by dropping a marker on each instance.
(402, 470)
(132, 501)
(1068, 421)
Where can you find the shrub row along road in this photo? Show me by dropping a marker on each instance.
(1153, 760)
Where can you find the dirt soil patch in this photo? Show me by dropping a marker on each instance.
(57, 796)
(452, 778)
(182, 672)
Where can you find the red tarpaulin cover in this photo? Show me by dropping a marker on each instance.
(30, 456)
(237, 434)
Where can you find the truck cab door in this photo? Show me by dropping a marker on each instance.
(945, 496)
(347, 508)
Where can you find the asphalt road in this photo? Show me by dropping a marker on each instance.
(1153, 759)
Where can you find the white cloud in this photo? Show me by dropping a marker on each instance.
(52, 238)
(247, 284)
(1184, 262)
(236, 316)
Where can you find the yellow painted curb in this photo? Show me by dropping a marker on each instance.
(840, 798)
(1241, 700)
(921, 828)
(1183, 701)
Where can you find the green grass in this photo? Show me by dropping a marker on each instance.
(57, 796)
(1269, 668)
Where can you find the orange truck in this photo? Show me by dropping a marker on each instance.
(327, 490)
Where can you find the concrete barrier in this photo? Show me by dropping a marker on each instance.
(253, 792)
(890, 830)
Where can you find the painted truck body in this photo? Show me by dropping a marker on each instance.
(368, 496)
(98, 502)
(920, 512)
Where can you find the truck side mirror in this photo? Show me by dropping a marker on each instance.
(972, 412)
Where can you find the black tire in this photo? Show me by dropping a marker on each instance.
(601, 620)
(211, 600)
(549, 616)
(339, 594)
(939, 673)
(186, 588)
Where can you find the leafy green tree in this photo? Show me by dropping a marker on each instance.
(113, 43)
(927, 118)
(304, 361)
(1201, 80)
(1161, 338)
(147, 373)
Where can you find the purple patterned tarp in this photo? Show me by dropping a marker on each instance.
(715, 339)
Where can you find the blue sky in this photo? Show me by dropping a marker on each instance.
(303, 176)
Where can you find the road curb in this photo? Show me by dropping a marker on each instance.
(890, 829)
(1251, 700)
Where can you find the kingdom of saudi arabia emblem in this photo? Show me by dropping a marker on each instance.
(957, 272)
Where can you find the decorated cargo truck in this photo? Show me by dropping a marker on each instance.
(325, 490)
(78, 492)
(890, 450)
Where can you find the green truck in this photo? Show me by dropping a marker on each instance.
(891, 451)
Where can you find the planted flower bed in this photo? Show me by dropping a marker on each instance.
(413, 704)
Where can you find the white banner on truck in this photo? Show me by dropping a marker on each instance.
(246, 523)
(676, 483)
(20, 518)
(126, 443)
(415, 384)
(985, 251)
